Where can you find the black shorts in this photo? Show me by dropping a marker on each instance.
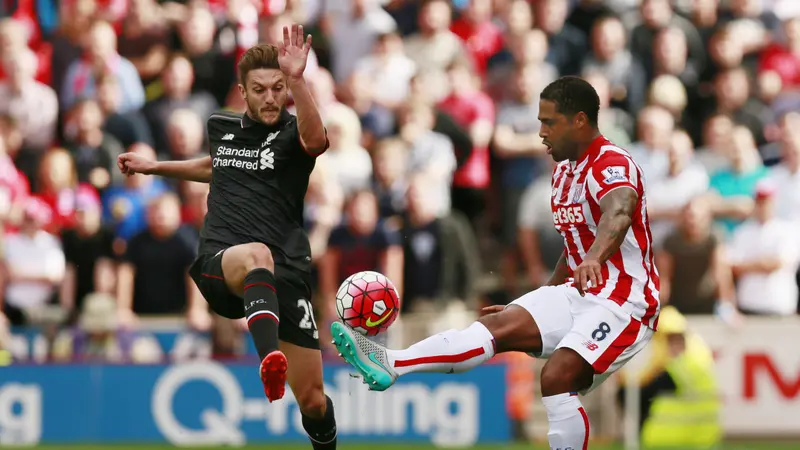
(297, 326)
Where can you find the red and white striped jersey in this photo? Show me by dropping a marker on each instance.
(630, 275)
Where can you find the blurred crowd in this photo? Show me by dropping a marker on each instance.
(435, 175)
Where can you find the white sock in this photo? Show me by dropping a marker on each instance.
(453, 351)
(569, 424)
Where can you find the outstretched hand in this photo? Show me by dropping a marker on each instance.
(293, 51)
(132, 163)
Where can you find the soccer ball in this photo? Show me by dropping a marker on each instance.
(367, 302)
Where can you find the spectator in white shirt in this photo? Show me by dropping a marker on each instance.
(787, 174)
(349, 162)
(34, 263)
(431, 154)
(667, 196)
(353, 31)
(765, 258)
(388, 70)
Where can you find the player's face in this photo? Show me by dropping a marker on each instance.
(265, 92)
(555, 131)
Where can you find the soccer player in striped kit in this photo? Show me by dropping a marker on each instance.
(600, 306)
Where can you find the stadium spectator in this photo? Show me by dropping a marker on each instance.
(377, 122)
(441, 260)
(564, 41)
(58, 186)
(33, 263)
(348, 161)
(93, 150)
(654, 128)
(152, 277)
(694, 271)
(88, 250)
(176, 87)
(387, 71)
(185, 135)
(144, 39)
(390, 158)
(540, 244)
(764, 253)
(786, 175)
(733, 188)
(126, 127)
(615, 123)
(475, 111)
(100, 56)
(431, 154)
(480, 34)
(435, 47)
(33, 105)
(517, 144)
(353, 31)
(212, 57)
(125, 205)
(716, 143)
(524, 49)
(610, 57)
(667, 196)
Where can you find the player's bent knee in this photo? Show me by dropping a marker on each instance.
(258, 256)
(312, 401)
(565, 371)
(513, 329)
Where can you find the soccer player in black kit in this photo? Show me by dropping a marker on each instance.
(254, 258)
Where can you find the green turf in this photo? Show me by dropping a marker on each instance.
(727, 446)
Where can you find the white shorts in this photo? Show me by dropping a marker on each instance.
(597, 329)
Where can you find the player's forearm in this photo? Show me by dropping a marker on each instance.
(561, 272)
(611, 233)
(309, 121)
(192, 170)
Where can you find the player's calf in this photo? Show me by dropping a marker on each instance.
(565, 374)
(249, 271)
(316, 408)
(456, 351)
(319, 419)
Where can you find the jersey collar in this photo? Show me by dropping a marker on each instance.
(248, 122)
(592, 151)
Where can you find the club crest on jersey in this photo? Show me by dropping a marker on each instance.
(577, 193)
(270, 137)
(614, 174)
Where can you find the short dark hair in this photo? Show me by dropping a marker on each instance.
(261, 56)
(573, 95)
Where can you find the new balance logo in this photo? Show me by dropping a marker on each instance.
(228, 137)
(267, 159)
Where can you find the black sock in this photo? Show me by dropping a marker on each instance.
(261, 310)
(322, 432)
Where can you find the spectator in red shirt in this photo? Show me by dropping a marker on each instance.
(58, 187)
(481, 36)
(784, 58)
(474, 110)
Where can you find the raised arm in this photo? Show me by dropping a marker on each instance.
(292, 57)
(192, 170)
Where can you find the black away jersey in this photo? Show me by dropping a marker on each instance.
(258, 186)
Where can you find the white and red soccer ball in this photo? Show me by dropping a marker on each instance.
(367, 302)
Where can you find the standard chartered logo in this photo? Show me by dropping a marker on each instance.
(407, 408)
(243, 158)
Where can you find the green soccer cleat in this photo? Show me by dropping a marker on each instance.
(367, 357)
